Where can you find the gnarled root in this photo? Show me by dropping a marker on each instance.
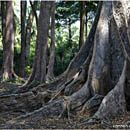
(51, 110)
(92, 105)
(80, 77)
(24, 102)
(65, 107)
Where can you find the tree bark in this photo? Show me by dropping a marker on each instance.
(39, 68)
(28, 32)
(3, 13)
(82, 23)
(114, 102)
(70, 33)
(50, 71)
(8, 45)
(23, 38)
(86, 25)
(100, 63)
(34, 10)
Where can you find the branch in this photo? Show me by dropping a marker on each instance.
(34, 10)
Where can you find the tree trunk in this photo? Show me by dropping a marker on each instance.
(8, 45)
(100, 63)
(39, 68)
(50, 71)
(70, 33)
(3, 23)
(23, 38)
(114, 102)
(3, 13)
(82, 23)
(34, 6)
(28, 32)
(86, 25)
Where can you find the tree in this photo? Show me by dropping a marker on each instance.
(8, 43)
(67, 13)
(39, 68)
(50, 71)
(34, 10)
(3, 12)
(92, 81)
(23, 38)
(82, 23)
(28, 31)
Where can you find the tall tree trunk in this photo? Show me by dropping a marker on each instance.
(8, 45)
(39, 68)
(82, 23)
(70, 33)
(99, 66)
(50, 73)
(3, 14)
(86, 25)
(28, 32)
(23, 38)
(101, 56)
(114, 102)
(3, 19)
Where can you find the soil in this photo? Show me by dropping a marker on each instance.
(76, 122)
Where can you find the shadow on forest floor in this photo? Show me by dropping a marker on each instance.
(55, 123)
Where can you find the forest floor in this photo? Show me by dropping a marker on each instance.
(63, 123)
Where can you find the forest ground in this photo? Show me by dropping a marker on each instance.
(56, 123)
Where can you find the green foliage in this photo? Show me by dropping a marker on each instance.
(63, 51)
(66, 11)
(28, 70)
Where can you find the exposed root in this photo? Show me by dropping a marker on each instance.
(65, 107)
(80, 77)
(89, 121)
(51, 110)
(25, 102)
(92, 105)
(19, 78)
(61, 89)
(12, 77)
(76, 82)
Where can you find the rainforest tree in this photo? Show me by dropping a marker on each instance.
(8, 40)
(92, 82)
(50, 71)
